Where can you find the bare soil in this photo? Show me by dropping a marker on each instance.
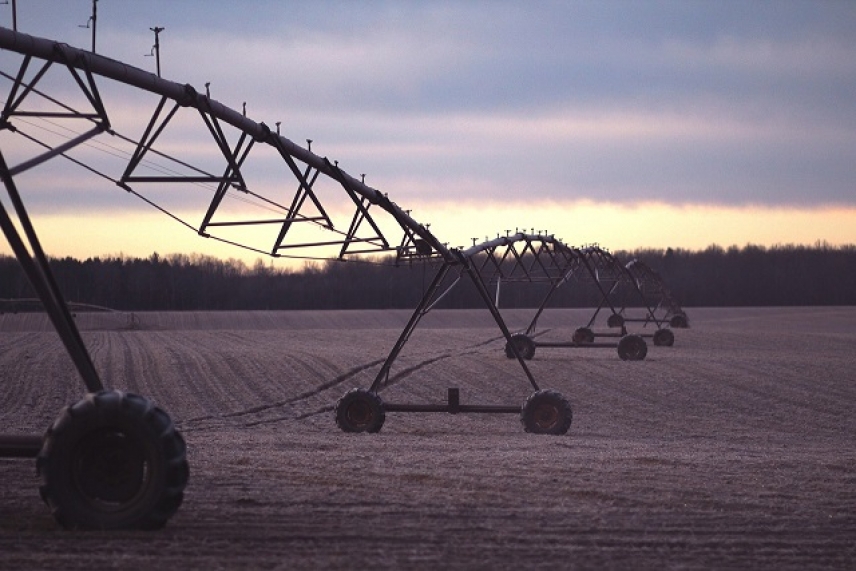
(734, 449)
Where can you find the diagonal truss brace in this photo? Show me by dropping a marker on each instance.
(430, 298)
(234, 157)
(363, 203)
(306, 179)
(21, 90)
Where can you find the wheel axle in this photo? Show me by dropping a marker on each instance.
(544, 412)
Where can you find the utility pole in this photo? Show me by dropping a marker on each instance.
(93, 19)
(14, 14)
(156, 48)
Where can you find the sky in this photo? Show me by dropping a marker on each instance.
(631, 124)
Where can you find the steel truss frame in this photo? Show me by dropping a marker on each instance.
(514, 258)
(589, 266)
(558, 265)
(541, 258)
(609, 271)
(363, 234)
(653, 288)
(619, 291)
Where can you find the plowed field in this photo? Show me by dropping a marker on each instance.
(732, 449)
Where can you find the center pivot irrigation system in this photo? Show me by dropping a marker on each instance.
(599, 271)
(657, 296)
(115, 459)
(618, 288)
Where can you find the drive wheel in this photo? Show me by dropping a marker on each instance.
(524, 345)
(664, 338)
(632, 348)
(360, 411)
(583, 335)
(113, 461)
(615, 320)
(679, 321)
(546, 412)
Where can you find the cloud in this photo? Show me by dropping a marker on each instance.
(726, 103)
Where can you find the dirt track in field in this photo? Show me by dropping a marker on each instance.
(732, 449)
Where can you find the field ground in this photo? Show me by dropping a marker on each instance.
(732, 449)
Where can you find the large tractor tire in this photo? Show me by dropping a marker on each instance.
(583, 335)
(524, 345)
(664, 338)
(360, 410)
(113, 461)
(632, 348)
(546, 412)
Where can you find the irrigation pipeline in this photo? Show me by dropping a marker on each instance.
(185, 95)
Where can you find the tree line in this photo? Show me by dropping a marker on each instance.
(747, 276)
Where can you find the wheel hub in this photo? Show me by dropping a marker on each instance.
(109, 467)
(546, 416)
(359, 413)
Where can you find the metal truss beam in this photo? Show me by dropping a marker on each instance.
(416, 239)
(653, 288)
